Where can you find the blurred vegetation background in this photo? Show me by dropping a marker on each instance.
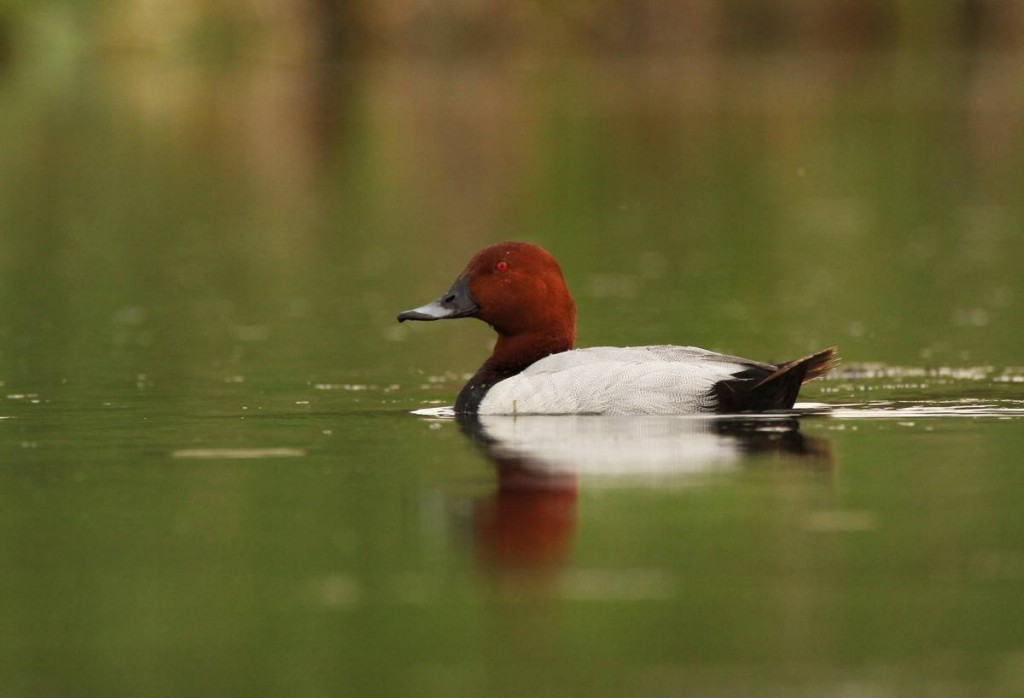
(741, 175)
(315, 29)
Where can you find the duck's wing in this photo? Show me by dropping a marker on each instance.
(621, 380)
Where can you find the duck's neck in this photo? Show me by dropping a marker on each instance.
(514, 353)
(511, 355)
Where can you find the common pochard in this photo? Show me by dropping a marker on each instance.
(518, 289)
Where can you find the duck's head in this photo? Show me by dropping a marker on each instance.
(515, 287)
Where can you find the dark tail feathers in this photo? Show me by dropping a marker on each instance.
(778, 389)
(808, 368)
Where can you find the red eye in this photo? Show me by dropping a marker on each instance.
(501, 266)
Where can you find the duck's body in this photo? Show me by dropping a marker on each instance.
(641, 380)
(519, 290)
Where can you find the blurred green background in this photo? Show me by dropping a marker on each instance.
(210, 213)
(756, 177)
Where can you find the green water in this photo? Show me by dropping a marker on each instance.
(210, 479)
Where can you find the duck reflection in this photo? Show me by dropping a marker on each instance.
(529, 521)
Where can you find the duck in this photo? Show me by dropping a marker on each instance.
(535, 368)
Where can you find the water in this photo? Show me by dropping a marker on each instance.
(212, 478)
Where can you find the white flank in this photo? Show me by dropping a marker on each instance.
(615, 381)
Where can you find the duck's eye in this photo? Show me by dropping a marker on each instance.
(501, 266)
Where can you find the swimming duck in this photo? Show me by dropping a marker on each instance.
(518, 289)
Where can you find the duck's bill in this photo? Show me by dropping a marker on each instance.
(458, 302)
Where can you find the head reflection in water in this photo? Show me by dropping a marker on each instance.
(530, 521)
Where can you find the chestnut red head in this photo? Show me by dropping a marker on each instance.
(515, 287)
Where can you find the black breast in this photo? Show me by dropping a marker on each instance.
(474, 391)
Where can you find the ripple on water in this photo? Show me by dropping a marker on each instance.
(879, 409)
(239, 453)
(903, 410)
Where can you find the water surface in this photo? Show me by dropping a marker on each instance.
(212, 480)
